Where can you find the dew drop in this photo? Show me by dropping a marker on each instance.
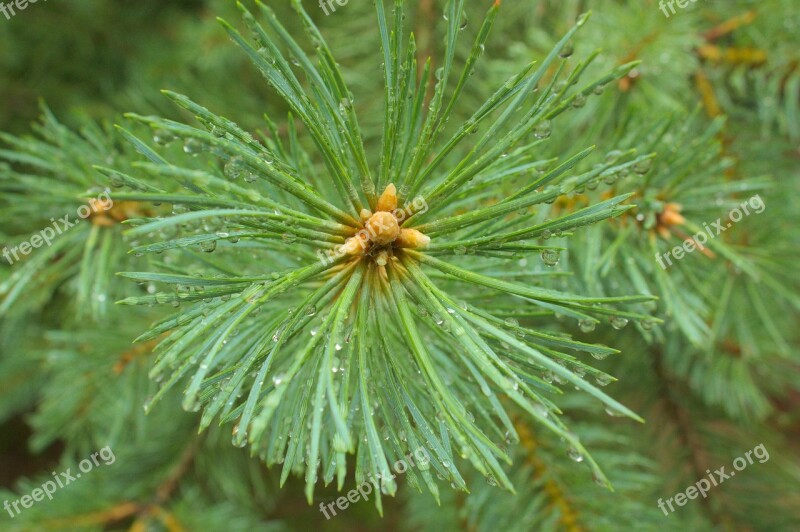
(234, 167)
(163, 137)
(602, 379)
(543, 130)
(238, 440)
(618, 322)
(193, 146)
(643, 166)
(551, 256)
(567, 50)
(574, 454)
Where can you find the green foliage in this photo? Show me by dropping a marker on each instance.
(551, 174)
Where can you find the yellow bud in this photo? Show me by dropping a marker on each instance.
(388, 200)
(411, 238)
(383, 228)
(353, 246)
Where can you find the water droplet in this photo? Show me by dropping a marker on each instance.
(646, 324)
(511, 437)
(567, 50)
(163, 137)
(193, 146)
(234, 167)
(643, 166)
(579, 100)
(543, 129)
(602, 379)
(551, 256)
(587, 326)
(618, 322)
(460, 250)
(278, 379)
(597, 478)
(190, 404)
(238, 440)
(574, 454)
(208, 245)
(511, 322)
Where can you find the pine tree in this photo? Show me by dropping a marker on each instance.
(434, 259)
